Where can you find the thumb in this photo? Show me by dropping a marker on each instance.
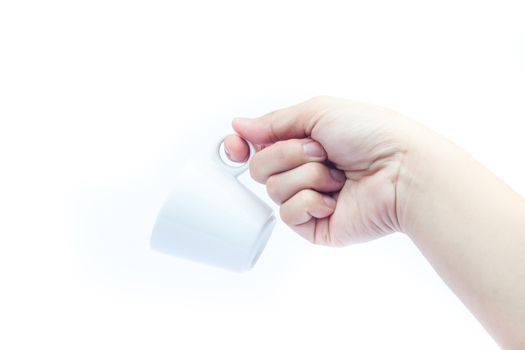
(295, 122)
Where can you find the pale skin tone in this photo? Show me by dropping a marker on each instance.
(345, 172)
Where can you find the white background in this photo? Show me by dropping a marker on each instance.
(101, 102)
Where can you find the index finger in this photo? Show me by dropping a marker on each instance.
(236, 148)
(294, 122)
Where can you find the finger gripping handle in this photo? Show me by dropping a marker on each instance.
(234, 170)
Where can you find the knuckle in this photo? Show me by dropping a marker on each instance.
(284, 214)
(319, 100)
(308, 197)
(278, 144)
(317, 172)
(282, 151)
(255, 171)
(272, 188)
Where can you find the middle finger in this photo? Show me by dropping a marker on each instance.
(285, 155)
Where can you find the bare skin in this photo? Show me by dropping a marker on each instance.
(345, 172)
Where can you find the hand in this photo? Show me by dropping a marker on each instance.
(333, 165)
(347, 172)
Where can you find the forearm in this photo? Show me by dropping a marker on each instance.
(471, 227)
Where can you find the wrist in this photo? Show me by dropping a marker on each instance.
(425, 167)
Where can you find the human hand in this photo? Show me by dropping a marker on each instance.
(371, 172)
(333, 165)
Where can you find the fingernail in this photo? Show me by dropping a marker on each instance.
(313, 149)
(330, 202)
(337, 175)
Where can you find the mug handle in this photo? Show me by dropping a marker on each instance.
(234, 170)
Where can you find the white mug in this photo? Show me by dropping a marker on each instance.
(211, 217)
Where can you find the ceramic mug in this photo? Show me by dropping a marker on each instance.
(211, 217)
